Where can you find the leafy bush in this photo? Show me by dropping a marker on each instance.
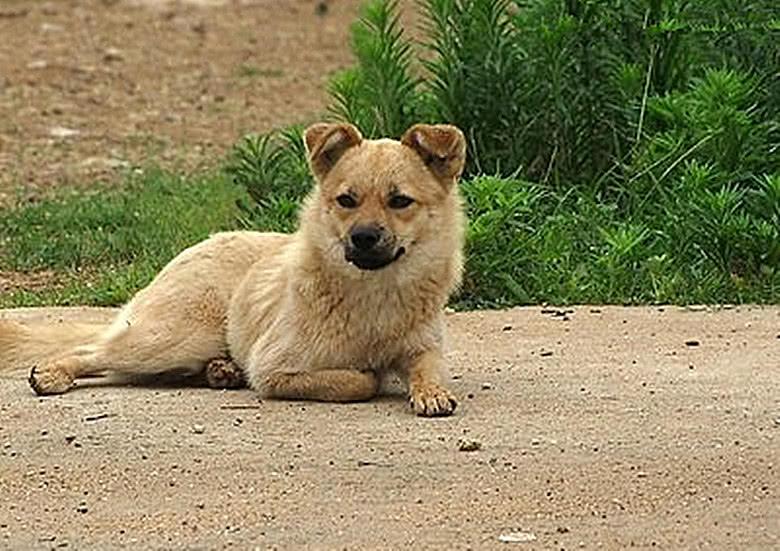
(274, 171)
(556, 88)
(618, 152)
(380, 94)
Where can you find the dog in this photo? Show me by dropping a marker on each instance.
(325, 313)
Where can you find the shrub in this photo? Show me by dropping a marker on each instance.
(618, 152)
(274, 171)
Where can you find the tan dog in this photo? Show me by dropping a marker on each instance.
(321, 314)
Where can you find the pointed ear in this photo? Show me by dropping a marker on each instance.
(442, 148)
(326, 143)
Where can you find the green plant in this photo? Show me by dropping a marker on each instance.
(274, 171)
(379, 94)
(632, 146)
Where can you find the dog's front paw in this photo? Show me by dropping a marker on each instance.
(223, 373)
(432, 400)
(50, 379)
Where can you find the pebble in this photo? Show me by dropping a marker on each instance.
(198, 429)
(517, 537)
(469, 446)
(62, 132)
(112, 54)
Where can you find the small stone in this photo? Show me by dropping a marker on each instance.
(692, 343)
(506, 328)
(112, 54)
(82, 508)
(546, 353)
(486, 386)
(469, 446)
(51, 28)
(37, 64)
(198, 429)
(517, 537)
(62, 132)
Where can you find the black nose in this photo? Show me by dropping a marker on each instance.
(365, 237)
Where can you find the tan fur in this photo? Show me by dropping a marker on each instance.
(16, 354)
(290, 311)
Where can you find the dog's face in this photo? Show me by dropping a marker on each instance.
(379, 200)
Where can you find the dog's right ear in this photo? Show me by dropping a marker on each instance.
(326, 143)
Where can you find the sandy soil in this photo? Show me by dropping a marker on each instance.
(91, 88)
(603, 427)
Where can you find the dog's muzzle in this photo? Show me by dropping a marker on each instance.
(369, 249)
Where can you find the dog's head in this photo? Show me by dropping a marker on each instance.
(380, 201)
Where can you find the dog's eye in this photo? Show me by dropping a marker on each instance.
(346, 201)
(399, 201)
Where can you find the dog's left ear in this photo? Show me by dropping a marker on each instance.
(326, 143)
(442, 148)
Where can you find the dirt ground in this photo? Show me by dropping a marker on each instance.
(601, 427)
(91, 88)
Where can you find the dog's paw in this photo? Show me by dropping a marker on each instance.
(50, 379)
(223, 373)
(432, 400)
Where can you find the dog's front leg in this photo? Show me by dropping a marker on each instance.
(326, 385)
(427, 395)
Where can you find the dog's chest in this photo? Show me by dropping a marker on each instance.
(365, 334)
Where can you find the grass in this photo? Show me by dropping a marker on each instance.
(246, 70)
(103, 246)
(526, 243)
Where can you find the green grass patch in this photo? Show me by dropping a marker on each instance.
(246, 70)
(105, 245)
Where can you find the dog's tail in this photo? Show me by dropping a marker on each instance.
(23, 345)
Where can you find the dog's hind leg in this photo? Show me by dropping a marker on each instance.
(224, 373)
(149, 347)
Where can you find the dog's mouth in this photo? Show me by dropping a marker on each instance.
(372, 260)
